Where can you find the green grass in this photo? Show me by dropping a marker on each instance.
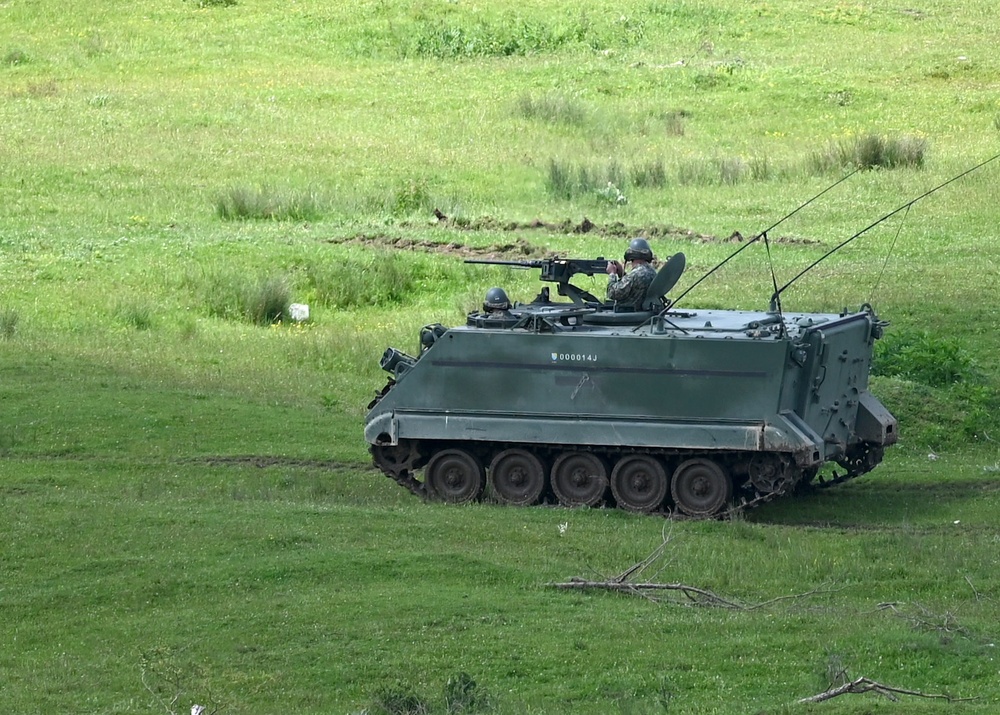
(189, 514)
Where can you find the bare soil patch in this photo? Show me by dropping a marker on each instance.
(521, 247)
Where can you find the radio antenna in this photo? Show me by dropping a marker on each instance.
(904, 207)
(763, 235)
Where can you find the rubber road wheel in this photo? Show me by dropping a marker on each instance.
(517, 477)
(579, 479)
(700, 487)
(455, 476)
(639, 483)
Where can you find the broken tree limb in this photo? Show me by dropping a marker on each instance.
(927, 620)
(867, 685)
(698, 595)
(628, 582)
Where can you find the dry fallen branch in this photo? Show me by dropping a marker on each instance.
(969, 581)
(927, 620)
(627, 582)
(867, 685)
(697, 595)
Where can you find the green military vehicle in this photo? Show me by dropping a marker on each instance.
(652, 408)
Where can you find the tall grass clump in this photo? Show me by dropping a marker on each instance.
(606, 181)
(263, 300)
(674, 122)
(870, 151)
(15, 57)
(650, 174)
(462, 695)
(552, 108)
(567, 180)
(383, 279)
(409, 197)
(8, 322)
(242, 203)
(135, 314)
(724, 171)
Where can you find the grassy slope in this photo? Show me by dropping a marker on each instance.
(191, 497)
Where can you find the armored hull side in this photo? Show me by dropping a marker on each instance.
(754, 400)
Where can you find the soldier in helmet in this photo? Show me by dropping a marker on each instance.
(496, 304)
(630, 288)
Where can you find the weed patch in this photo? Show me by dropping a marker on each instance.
(512, 36)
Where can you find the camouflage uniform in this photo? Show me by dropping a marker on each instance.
(631, 288)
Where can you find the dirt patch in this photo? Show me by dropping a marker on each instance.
(521, 247)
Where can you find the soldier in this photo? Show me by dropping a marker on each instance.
(496, 304)
(630, 288)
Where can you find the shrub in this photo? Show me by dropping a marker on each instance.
(924, 357)
(611, 194)
(462, 695)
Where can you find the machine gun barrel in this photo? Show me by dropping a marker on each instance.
(560, 271)
(514, 264)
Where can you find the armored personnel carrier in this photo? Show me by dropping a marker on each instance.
(650, 407)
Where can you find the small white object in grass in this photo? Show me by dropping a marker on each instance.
(299, 311)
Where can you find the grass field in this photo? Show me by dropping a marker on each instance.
(188, 510)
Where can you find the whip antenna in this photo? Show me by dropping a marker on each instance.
(892, 247)
(892, 213)
(763, 234)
